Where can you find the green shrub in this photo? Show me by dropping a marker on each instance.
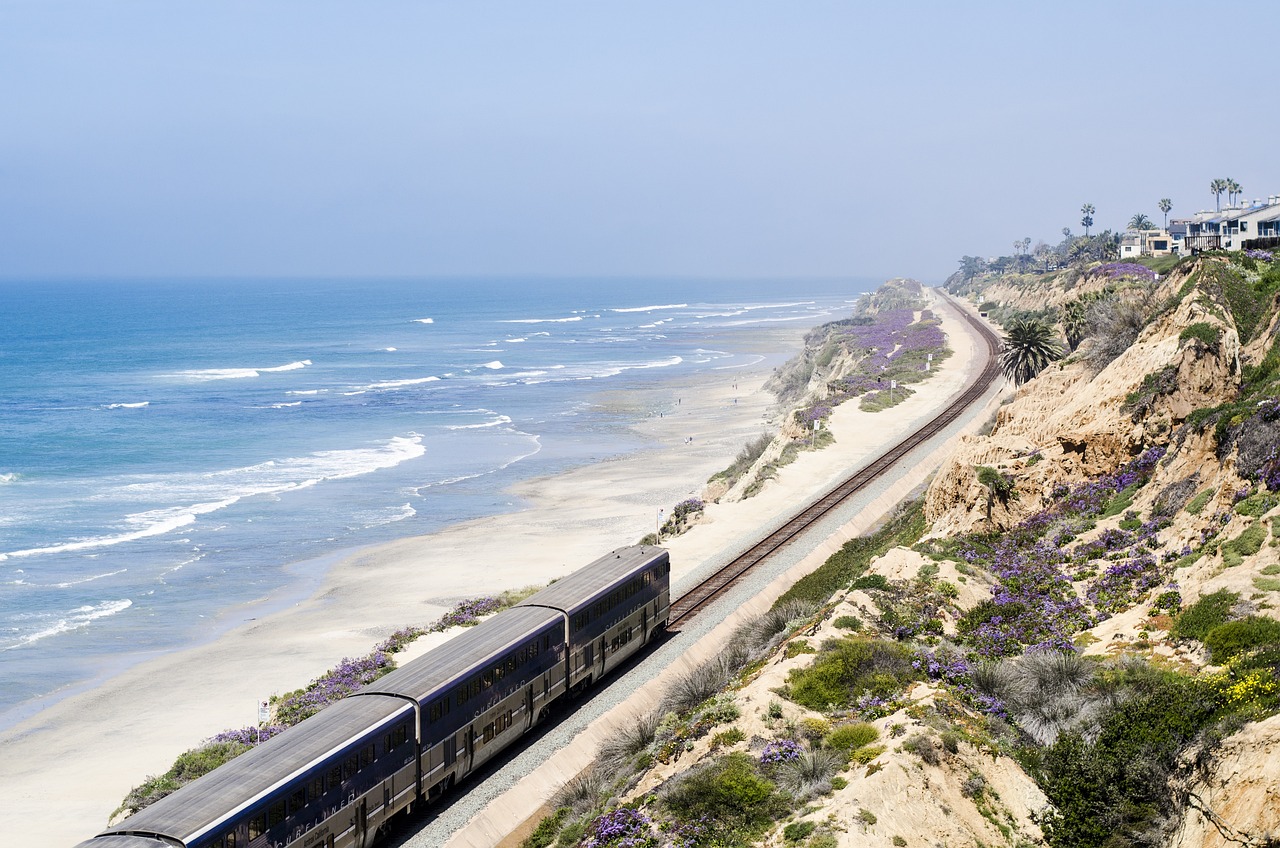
(1250, 540)
(547, 830)
(725, 738)
(851, 737)
(1198, 503)
(1267, 584)
(1111, 791)
(798, 831)
(729, 790)
(866, 816)
(1197, 620)
(799, 646)
(1207, 334)
(848, 622)
(1121, 501)
(1229, 640)
(847, 668)
(905, 528)
(871, 581)
(1257, 505)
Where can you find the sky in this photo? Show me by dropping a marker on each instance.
(618, 139)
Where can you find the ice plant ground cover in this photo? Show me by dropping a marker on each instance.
(287, 710)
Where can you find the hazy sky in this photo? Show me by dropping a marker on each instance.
(615, 138)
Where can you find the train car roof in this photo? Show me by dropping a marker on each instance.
(585, 585)
(441, 668)
(203, 804)
(123, 841)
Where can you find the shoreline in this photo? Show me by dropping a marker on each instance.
(68, 772)
(70, 762)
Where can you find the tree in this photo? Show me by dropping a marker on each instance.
(1140, 222)
(1028, 347)
(1165, 205)
(1087, 221)
(1233, 190)
(1075, 322)
(1216, 188)
(971, 266)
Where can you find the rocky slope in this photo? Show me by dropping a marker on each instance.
(1074, 639)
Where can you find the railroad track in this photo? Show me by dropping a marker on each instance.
(702, 595)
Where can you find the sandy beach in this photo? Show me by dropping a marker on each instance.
(68, 767)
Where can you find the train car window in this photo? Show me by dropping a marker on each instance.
(349, 766)
(297, 801)
(488, 732)
(498, 671)
(227, 840)
(436, 711)
(317, 788)
(463, 694)
(401, 734)
(257, 826)
(335, 777)
(511, 663)
(367, 754)
(275, 814)
(646, 578)
(486, 679)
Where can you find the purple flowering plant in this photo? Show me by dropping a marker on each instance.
(622, 828)
(780, 751)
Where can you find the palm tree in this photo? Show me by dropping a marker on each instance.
(1139, 222)
(1028, 347)
(1216, 188)
(1087, 221)
(1075, 322)
(1165, 205)
(1233, 192)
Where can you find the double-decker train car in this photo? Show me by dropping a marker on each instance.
(337, 779)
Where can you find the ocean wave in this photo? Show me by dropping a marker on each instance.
(240, 373)
(73, 620)
(138, 405)
(494, 422)
(68, 584)
(286, 405)
(495, 365)
(652, 308)
(400, 384)
(399, 513)
(201, 494)
(755, 359)
(515, 341)
(424, 320)
(389, 349)
(9, 477)
(448, 481)
(542, 320)
(305, 392)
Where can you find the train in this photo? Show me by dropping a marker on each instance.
(337, 779)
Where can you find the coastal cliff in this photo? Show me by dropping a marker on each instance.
(1071, 639)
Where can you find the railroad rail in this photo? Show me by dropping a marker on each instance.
(699, 597)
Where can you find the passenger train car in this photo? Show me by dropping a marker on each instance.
(336, 779)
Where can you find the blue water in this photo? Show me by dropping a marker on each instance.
(168, 449)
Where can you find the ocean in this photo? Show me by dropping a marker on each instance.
(172, 450)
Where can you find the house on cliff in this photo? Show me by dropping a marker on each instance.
(1256, 225)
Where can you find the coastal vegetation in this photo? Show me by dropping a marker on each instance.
(1103, 635)
(290, 708)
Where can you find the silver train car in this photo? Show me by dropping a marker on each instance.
(337, 779)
